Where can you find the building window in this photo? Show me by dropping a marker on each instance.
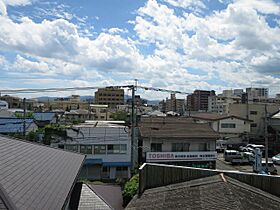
(99, 149)
(253, 112)
(227, 125)
(113, 148)
(73, 148)
(180, 147)
(253, 125)
(105, 169)
(121, 168)
(156, 147)
(86, 149)
(123, 149)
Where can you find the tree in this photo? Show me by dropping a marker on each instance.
(120, 115)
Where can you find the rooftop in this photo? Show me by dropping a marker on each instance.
(172, 127)
(35, 176)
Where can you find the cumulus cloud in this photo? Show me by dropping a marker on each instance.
(5, 3)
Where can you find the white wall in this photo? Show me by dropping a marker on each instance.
(241, 126)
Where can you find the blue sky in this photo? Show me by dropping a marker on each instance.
(173, 44)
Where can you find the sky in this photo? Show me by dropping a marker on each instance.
(173, 44)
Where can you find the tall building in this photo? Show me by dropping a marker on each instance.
(198, 101)
(238, 92)
(257, 93)
(109, 96)
(173, 104)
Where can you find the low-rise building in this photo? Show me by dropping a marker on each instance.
(106, 145)
(179, 141)
(228, 126)
(16, 125)
(109, 96)
(79, 115)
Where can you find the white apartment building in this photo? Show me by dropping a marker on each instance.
(106, 145)
(257, 93)
(220, 104)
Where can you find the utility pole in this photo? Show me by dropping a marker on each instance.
(132, 126)
(24, 118)
(266, 136)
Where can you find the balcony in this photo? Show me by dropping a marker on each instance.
(180, 156)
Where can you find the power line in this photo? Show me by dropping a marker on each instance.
(50, 90)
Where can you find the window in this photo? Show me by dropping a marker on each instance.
(180, 147)
(113, 148)
(73, 148)
(105, 169)
(253, 125)
(227, 125)
(253, 112)
(203, 147)
(156, 147)
(99, 149)
(86, 149)
(121, 168)
(123, 149)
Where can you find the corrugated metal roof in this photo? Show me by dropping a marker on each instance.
(35, 176)
(13, 125)
(44, 116)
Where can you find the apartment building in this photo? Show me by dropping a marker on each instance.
(106, 145)
(220, 104)
(109, 96)
(177, 141)
(198, 101)
(173, 105)
(257, 93)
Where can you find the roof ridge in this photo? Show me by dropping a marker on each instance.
(6, 199)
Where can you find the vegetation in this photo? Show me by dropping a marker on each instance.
(120, 115)
(130, 189)
(20, 115)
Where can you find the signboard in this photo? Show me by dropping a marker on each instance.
(180, 156)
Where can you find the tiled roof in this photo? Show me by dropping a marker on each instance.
(13, 125)
(214, 192)
(35, 176)
(172, 127)
(44, 116)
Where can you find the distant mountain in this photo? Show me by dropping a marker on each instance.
(48, 98)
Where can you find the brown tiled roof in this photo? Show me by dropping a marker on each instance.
(172, 127)
(214, 192)
(33, 176)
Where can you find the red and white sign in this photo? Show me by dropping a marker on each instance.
(180, 156)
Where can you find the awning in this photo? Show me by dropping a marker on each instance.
(116, 164)
(92, 161)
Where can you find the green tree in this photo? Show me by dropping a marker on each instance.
(130, 189)
(120, 115)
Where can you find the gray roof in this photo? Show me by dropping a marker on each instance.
(89, 200)
(214, 192)
(44, 116)
(175, 127)
(33, 176)
(14, 125)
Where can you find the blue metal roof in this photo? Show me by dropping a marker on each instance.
(13, 125)
(44, 116)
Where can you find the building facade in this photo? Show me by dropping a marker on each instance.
(106, 146)
(109, 96)
(173, 105)
(220, 104)
(177, 141)
(255, 113)
(257, 93)
(198, 101)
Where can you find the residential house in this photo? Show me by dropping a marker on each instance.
(45, 118)
(35, 177)
(177, 141)
(228, 126)
(79, 115)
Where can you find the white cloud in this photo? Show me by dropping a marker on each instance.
(5, 3)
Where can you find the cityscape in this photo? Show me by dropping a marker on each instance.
(137, 105)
